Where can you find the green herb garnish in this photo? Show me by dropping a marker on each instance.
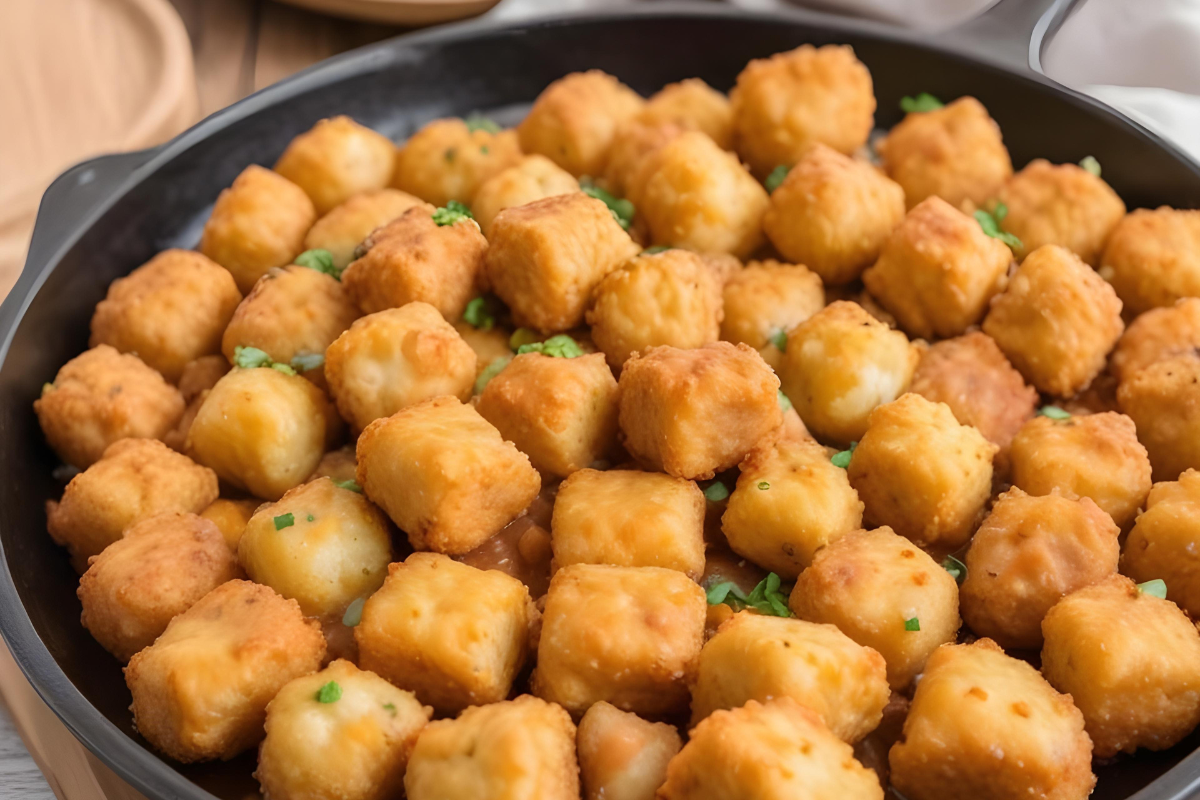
(656, 249)
(490, 371)
(913, 624)
(784, 403)
(842, 459)
(478, 315)
(763, 486)
(478, 122)
(304, 362)
(285, 521)
(250, 357)
(1090, 164)
(991, 224)
(451, 213)
(311, 518)
(779, 339)
(921, 103)
(390, 708)
(560, 346)
(1155, 588)
(522, 336)
(449, 155)
(329, 693)
(319, 259)
(776, 177)
(766, 597)
(350, 485)
(47, 388)
(1053, 412)
(622, 210)
(286, 369)
(353, 614)
(956, 568)
(716, 492)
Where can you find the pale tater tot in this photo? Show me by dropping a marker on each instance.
(158, 570)
(628, 518)
(936, 499)
(168, 311)
(1162, 544)
(454, 635)
(938, 271)
(954, 152)
(342, 732)
(982, 389)
(415, 259)
(561, 412)
(444, 475)
(986, 726)
(321, 545)
(522, 749)
(292, 314)
(1060, 204)
(337, 159)
(693, 413)
(777, 750)
(262, 430)
(200, 692)
(1028, 554)
(884, 593)
(668, 298)
(790, 501)
(833, 214)
(1158, 335)
(1096, 456)
(841, 363)
(231, 516)
(1130, 662)
(766, 300)
(573, 120)
(632, 144)
(340, 465)
(100, 397)
(135, 479)
(758, 657)
(695, 105)
(394, 359)
(1163, 401)
(1056, 321)
(621, 755)
(449, 159)
(343, 228)
(532, 178)
(625, 635)
(545, 258)
(784, 104)
(691, 193)
(257, 223)
(1151, 258)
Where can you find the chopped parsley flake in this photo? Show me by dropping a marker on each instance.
(656, 249)
(779, 339)
(285, 521)
(842, 459)
(622, 210)
(353, 614)
(451, 213)
(286, 369)
(1054, 412)
(921, 103)
(350, 485)
(483, 149)
(390, 708)
(991, 224)
(490, 371)
(522, 336)
(449, 155)
(250, 357)
(716, 492)
(956, 568)
(776, 177)
(478, 315)
(1155, 588)
(1090, 164)
(311, 518)
(478, 122)
(329, 693)
(766, 597)
(913, 624)
(560, 346)
(321, 260)
(304, 362)
(47, 388)
(763, 486)
(784, 403)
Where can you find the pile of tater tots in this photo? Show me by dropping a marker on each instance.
(697, 447)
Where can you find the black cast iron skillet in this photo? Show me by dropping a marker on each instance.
(102, 218)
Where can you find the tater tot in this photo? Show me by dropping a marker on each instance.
(257, 223)
(1028, 554)
(343, 228)
(1162, 544)
(522, 749)
(784, 104)
(263, 431)
(1060, 204)
(625, 635)
(758, 657)
(100, 397)
(695, 105)
(168, 311)
(936, 499)
(839, 364)
(766, 299)
(454, 635)
(561, 412)
(884, 593)
(573, 120)
(158, 570)
(628, 518)
(632, 144)
(444, 475)
(776, 750)
(532, 178)
(449, 159)
(545, 258)
(938, 271)
(342, 732)
(200, 692)
(1163, 401)
(986, 726)
(1056, 321)
(691, 193)
(135, 479)
(1096, 456)
(621, 755)
(693, 413)
(231, 516)
(1158, 335)
(833, 214)
(668, 298)
(201, 375)
(790, 502)
(412, 258)
(320, 545)
(1130, 662)
(394, 359)
(293, 313)
(954, 152)
(1151, 258)
(337, 159)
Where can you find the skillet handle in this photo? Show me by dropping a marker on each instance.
(1011, 33)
